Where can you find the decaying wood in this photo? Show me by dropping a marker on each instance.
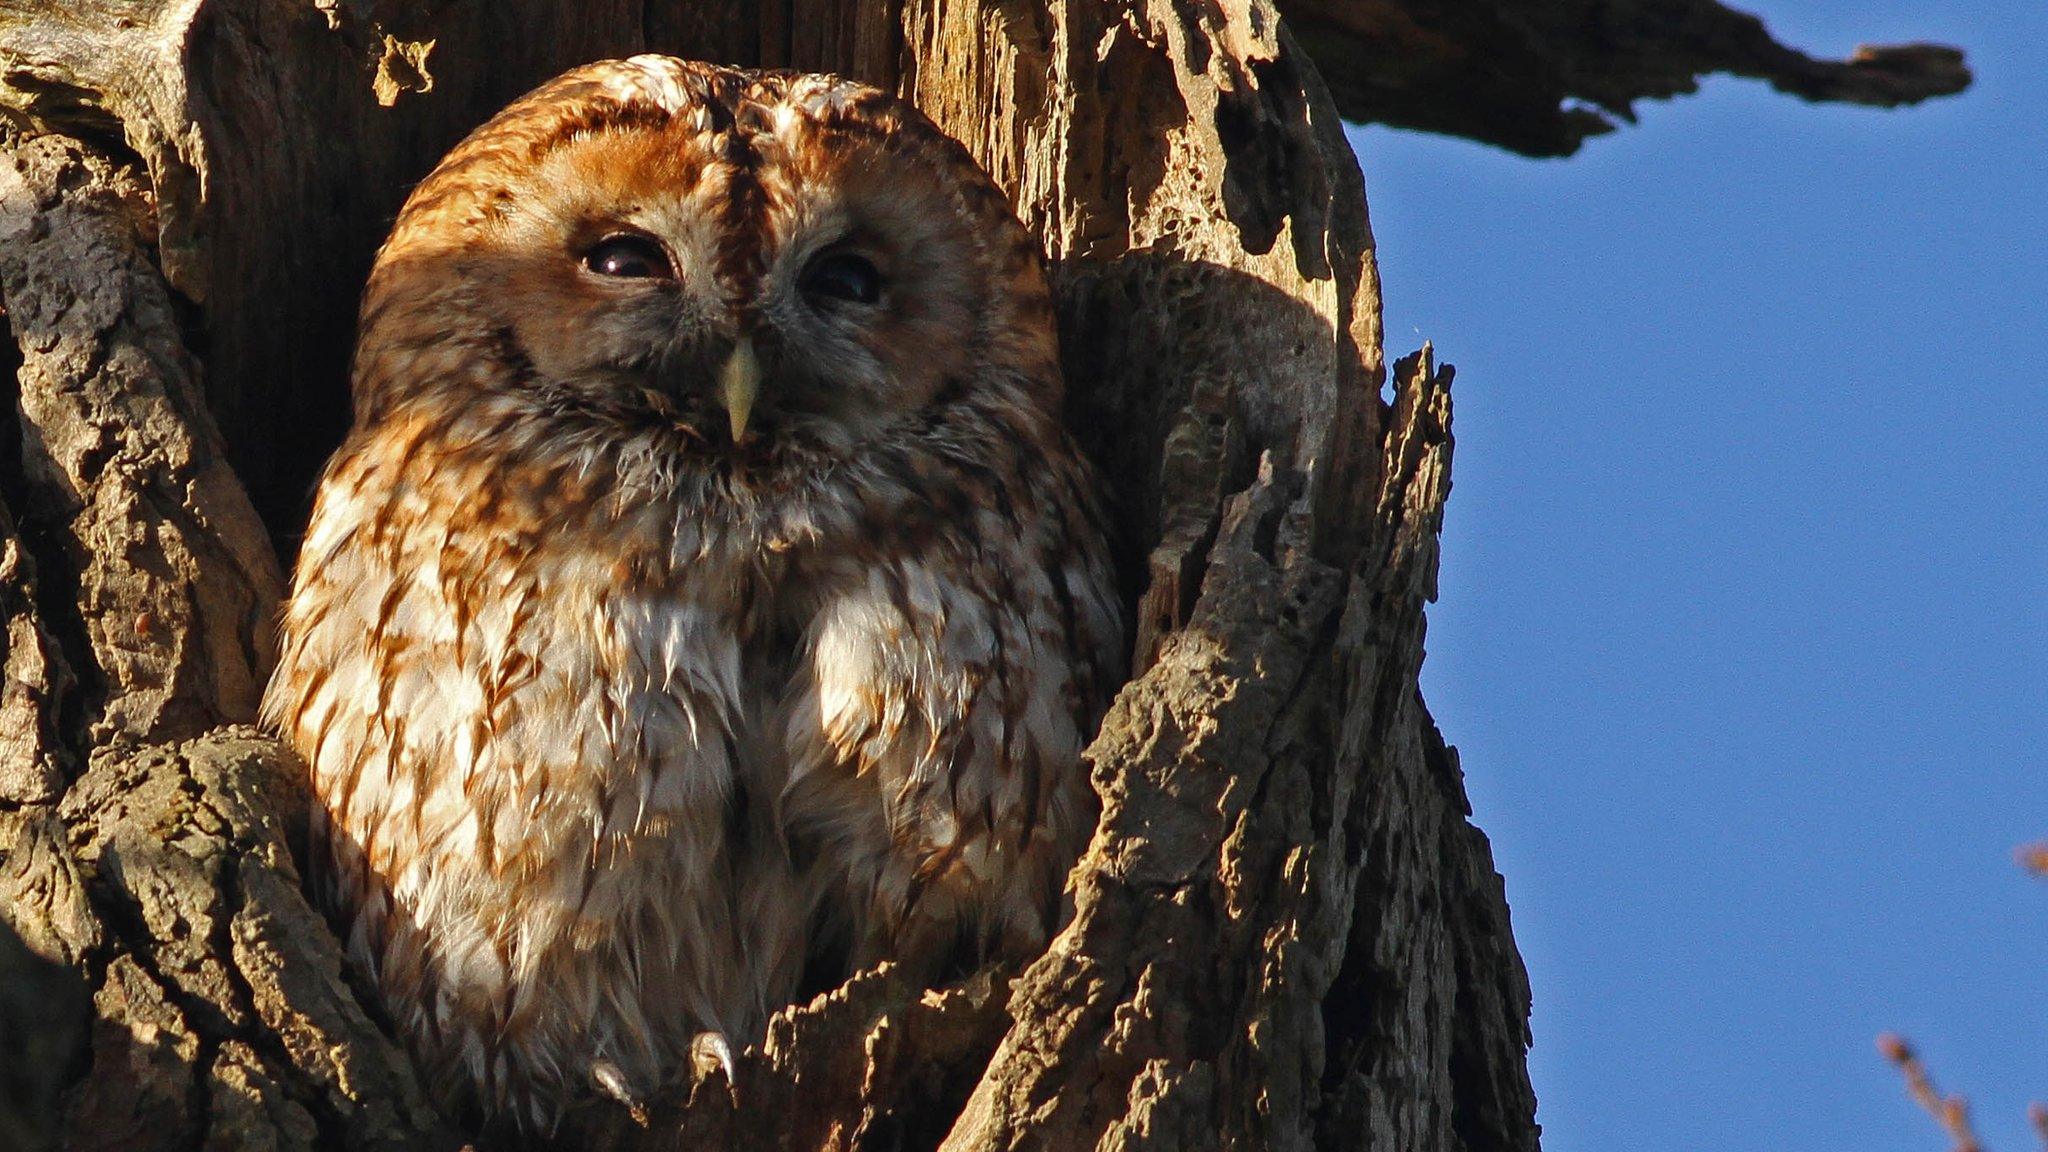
(1288, 933)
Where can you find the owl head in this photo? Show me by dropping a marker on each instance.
(749, 258)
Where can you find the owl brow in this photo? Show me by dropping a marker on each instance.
(604, 115)
(739, 262)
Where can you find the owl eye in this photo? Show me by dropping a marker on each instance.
(842, 276)
(629, 257)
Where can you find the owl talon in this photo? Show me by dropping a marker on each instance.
(611, 1080)
(711, 1052)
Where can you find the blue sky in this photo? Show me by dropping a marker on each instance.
(1742, 630)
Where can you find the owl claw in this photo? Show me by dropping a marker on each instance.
(711, 1050)
(611, 1080)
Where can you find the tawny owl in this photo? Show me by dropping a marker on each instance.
(706, 574)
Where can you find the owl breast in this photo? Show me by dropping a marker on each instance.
(954, 666)
(531, 749)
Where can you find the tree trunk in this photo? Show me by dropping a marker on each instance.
(1287, 934)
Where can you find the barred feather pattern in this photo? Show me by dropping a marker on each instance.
(615, 716)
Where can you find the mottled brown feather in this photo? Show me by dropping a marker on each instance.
(580, 680)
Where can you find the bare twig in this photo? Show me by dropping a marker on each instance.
(1951, 1112)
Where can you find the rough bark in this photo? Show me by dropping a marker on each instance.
(1288, 933)
(1539, 76)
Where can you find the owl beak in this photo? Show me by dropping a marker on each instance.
(740, 382)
